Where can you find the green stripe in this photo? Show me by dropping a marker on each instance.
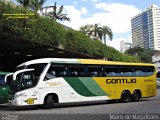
(93, 86)
(85, 86)
(78, 86)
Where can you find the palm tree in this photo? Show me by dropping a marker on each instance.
(37, 4)
(97, 31)
(87, 29)
(107, 31)
(24, 3)
(92, 30)
(57, 14)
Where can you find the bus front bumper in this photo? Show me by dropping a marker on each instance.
(15, 102)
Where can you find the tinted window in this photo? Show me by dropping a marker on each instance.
(126, 71)
(111, 71)
(30, 78)
(76, 70)
(94, 71)
(56, 71)
(149, 71)
(139, 71)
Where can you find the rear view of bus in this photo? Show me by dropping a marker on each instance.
(52, 80)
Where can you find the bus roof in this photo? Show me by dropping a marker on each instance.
(81, 61)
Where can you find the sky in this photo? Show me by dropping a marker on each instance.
(116, 14)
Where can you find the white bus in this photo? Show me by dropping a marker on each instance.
(51, 80)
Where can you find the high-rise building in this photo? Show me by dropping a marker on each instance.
(156, 61)
(146, 28)
(125, 45)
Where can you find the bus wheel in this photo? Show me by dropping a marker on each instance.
(50, 101)
(135, 96)
(125, 97)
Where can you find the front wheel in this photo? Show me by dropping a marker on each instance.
(125, 97)
(50, 102)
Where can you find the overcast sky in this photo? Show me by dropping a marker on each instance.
(116, 14)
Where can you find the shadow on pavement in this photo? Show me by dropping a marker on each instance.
(63, 105)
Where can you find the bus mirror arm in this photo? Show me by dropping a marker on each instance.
(20, 71)
(7, 76)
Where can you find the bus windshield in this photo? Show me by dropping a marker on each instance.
(28, 79)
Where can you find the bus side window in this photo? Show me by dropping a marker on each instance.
(56, 70)
(94, 71)
(139, 71)
(111, 71)
(149, 71)
(76, 71)
(126, 71)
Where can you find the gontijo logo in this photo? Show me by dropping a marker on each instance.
(120, 81)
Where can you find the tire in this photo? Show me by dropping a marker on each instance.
(126, 97)
(50, 102)
(135, 96)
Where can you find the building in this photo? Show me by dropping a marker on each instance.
(156, 61)
(146, 28)
(125, 45)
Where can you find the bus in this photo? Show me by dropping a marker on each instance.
(49, 81)
(4, 88)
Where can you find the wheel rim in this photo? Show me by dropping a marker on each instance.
(126, 97)
(52, 102)
(136, 97)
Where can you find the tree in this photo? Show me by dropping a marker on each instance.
(97, 31)
(145, 55)
(24, 3)
(37, 4)
(57, 14)
(107, 31)
(86, 29)
(34, 5)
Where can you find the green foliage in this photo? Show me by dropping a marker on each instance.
(45, 31)
(38, 29)
(145, 55)
(97, 31)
